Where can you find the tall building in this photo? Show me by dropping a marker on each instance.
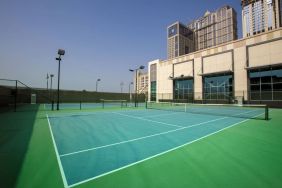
(260, 16)
(210, 30)
(215, 28)
(280, 13)
(179, 40)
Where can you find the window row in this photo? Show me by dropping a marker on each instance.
(263, 85)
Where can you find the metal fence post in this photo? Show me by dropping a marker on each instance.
(16, 93)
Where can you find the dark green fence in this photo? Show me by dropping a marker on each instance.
(15, 94)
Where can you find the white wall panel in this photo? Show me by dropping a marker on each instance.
(265, 54)
(184, 68)
(217, 63)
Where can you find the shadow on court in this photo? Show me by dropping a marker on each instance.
(15, 133)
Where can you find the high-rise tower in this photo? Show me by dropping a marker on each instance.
(260, 15)
(215, 28)
(180, 40)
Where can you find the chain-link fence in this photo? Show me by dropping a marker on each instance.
(17, 96)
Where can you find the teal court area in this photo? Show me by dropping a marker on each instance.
(94, 144)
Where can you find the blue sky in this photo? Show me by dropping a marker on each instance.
(102, 38)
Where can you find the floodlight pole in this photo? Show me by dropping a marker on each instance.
(136, 84)
(51, 76)
(47, 77)
(60, 52)
(121, 87)
(98, 80)
(58, 90)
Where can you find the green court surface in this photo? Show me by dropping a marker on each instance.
(128, 147)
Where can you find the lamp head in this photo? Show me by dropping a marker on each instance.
(51, 75)
(141, 67)
(61, 52)
(98, 80)
(131, 70)
(58, 59)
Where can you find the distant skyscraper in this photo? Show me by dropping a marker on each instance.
(180, 40)
(215, 28)
(260, 16)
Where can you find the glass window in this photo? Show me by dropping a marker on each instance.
(255, 80)
(277, 76)
(266, 87)
(183, 89)
(218, 87)
(266, 84)
(265, 79)
(277, 87)
(153, 90)
(255, 87)
(269, 10)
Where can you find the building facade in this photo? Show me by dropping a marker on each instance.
(260, 15)
(215, 28)
(180, 40)
(248, 69)
(142, 82)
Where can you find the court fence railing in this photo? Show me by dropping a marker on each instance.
(17, 96)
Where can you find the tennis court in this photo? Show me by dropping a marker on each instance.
(163, 145)
(90, 145)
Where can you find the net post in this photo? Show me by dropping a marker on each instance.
(103, 103)
(266, 112)
(146, 104)
(80, 104)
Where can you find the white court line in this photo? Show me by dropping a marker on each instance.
(162, 153)
(158, 115)
(141, 118)
(63, 115)
(57, 155)
(140, 138)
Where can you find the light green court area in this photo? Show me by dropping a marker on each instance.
(246, 155)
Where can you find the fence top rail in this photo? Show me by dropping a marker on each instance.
(4, 79)
(8, 79)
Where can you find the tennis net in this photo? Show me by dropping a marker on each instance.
(229, 110)
(113, 103)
